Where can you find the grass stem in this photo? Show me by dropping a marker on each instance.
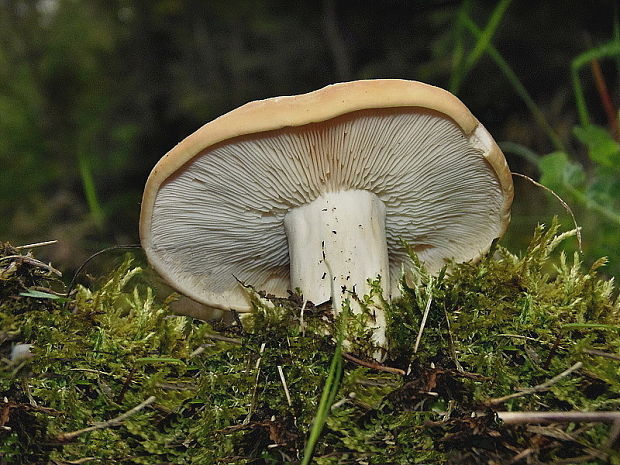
(518, 86)
(483, 41)
(330, 389)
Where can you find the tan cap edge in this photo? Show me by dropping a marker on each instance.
(494, 156)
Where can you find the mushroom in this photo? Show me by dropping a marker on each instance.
(318, 191)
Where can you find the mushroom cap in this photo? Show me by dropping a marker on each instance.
(213, 206)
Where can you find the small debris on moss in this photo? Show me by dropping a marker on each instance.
(112, 376)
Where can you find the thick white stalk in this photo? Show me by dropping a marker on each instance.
(336, 243)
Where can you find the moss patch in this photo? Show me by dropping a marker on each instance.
(249, 395)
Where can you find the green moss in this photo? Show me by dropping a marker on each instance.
(493, 327)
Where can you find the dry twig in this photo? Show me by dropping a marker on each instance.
(541, 387)
(283, 379)
(80, 461)
(36, 244)
(106, 424)
(302, 327)
(32, 261)
(518, 418)
(600, 353)
(373, 365)
(522, 455)
(425, 316)
(255, 390)
(219, 337)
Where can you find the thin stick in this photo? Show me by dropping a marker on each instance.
(519, 336)
(80, 461)
(89, 370)
(47, 290)
(541, 387)
(255, 389)
(562, 202)
(373, 365)
(579, 459)
(343, 401)
(518, 418)
(458, 365)
(199, 350)
(106, 424)
(600, 353)
(614, 434)
(36, 244)
(219, 337)
(521, 455)
(283, 379)
(32, 261)
(260, 356)
(302, 329)
(425, 316)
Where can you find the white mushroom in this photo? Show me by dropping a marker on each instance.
(316, 192)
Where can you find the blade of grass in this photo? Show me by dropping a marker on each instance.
(90, 191)
(608, 50)
(605, 97)
(42, 295)
(520, 150)
(483, 40)
(617, 40)
(458, 53)
(330, 389)
(519, 88)
(590, 326)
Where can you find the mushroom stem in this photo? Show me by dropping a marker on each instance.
(336, 243)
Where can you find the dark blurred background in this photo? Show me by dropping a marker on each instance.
(94, 92)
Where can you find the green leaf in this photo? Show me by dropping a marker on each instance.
(558, 171)
(602, 148)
